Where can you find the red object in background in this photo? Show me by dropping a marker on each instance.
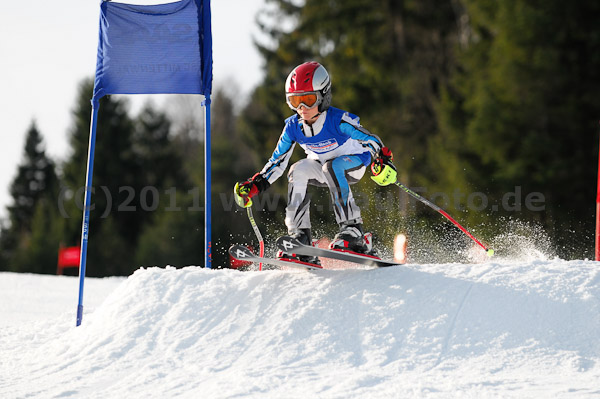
(236, 264)
(67, 257)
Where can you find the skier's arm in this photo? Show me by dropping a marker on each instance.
(384, 171)
(352, 128)
(273, 169)
(278, 162)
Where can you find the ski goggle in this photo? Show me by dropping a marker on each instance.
(308, 100)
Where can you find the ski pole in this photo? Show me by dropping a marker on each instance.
(489, 251)
(258, 235)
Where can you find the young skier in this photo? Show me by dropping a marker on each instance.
(338, 151)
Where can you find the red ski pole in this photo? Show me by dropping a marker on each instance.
(489, 251)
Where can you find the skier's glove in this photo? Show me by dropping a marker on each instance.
(244, 191)
(384, 171)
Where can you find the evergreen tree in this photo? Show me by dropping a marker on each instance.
(171, 236)
(29, 243)
(40, 252)
(35, 178)
(522, 111)
(177, 237)
(115, 181)
(135, 169)
(160, 164)
(160, 161)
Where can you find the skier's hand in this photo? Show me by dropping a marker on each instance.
(244, 191)
(384, 171)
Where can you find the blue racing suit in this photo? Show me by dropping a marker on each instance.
(338, 151)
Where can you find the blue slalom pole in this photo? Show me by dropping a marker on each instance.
(207, 184)
(85, 227)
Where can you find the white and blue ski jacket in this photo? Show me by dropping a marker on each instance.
(334, 134)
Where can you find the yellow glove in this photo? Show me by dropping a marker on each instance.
(242, 193)
(384, 171)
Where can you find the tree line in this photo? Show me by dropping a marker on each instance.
(148, 185)
(491, 109)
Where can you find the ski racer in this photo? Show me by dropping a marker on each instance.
(338, 151)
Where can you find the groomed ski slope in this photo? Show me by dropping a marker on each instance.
(495, 330)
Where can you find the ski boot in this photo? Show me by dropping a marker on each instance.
(304, 236)
(352, 238)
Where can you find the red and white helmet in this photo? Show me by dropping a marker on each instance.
(309, 85)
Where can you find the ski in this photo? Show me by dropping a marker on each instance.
(293, 246)
(240, 252)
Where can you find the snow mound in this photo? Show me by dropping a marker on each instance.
(447, 330)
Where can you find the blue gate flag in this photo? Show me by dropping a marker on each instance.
(151, 49)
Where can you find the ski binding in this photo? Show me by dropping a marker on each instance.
(240, 252)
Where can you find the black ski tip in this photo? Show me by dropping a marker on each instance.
(240, 252)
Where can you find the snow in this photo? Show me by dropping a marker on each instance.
(501, 329)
